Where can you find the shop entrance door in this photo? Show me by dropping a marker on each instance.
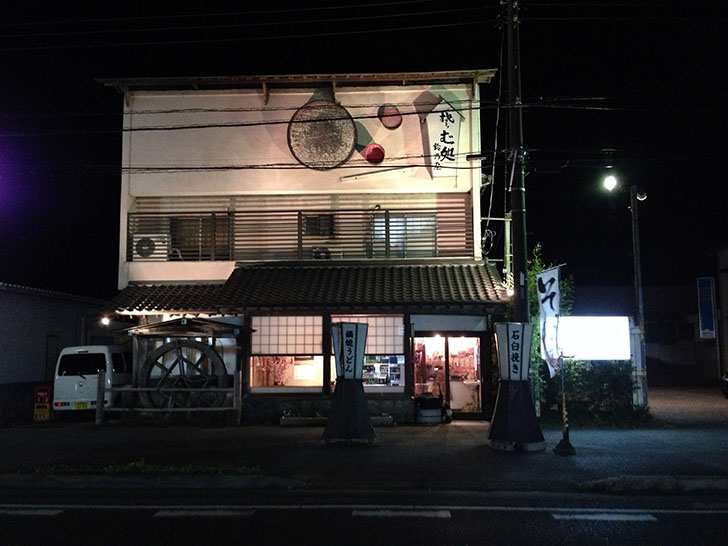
(450, 365)
(464, 374)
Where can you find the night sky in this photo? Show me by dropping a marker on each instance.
(636, 85)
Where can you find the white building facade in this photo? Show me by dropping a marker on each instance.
(283, 204)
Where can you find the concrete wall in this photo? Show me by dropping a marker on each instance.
(34, 326)
(241, 129)
(722, 305)
(262, 410)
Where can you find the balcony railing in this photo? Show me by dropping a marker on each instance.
(442, 232)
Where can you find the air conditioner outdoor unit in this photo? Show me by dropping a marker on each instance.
(321, 253)
(150, 246)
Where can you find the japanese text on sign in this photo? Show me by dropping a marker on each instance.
(349, 353)
(515, 352)
(443, 126)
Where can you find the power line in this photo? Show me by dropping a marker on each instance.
(354, 163)
(695, 100)
(228, 125)
(233, 125)
(243, 25)
(219, 14)
(244, 38)
(628, 18)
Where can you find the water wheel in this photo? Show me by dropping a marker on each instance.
(185, 364)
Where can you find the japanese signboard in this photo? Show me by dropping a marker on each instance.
(443, 131)
(349, 340)
(549, 305)
(513, 341)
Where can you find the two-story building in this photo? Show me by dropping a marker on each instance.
(281, 204)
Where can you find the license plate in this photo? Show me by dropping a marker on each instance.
(80, 405)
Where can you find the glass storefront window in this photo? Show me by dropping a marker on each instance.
(287, 353)
(429, 365)
(449, 366)
(383, 371)
(384, 354)
(286, 372)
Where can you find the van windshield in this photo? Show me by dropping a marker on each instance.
(82, 364)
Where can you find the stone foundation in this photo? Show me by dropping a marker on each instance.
(269, 409)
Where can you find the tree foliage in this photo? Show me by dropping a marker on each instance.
(597, 392)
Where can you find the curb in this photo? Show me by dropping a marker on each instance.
(99, 481)
(655, 484)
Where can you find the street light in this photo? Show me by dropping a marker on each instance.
(636, 194)
(610, 182)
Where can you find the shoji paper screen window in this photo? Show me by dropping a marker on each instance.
(287, 335)
(385, 335)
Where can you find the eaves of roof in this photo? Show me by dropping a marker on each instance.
(452, 287)
(50, 294)
(167, 298)
(299, 80)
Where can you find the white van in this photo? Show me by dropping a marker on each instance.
(77, 372)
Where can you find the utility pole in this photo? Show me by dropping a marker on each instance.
(635, 195)
(516, 161)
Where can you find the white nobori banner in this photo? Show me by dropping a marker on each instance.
(549, 305)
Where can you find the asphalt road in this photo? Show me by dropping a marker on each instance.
(376, 518)
(442, 457)
(413, 486)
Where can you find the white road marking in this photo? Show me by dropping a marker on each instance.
(439, 514)
(29, 512)
(604, 516)
(204, 513)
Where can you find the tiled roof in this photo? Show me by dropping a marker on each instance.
(296, 286)
(168, 298)
(51, 294)
(361, 285)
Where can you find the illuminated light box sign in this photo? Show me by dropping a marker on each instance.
(594, 338)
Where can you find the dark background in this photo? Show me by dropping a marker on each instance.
(636, 85)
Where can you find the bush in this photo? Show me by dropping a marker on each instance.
(597, 393)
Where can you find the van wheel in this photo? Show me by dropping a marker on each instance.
(183, 364)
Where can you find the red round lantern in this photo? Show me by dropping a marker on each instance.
(374, 153)
(390, 116)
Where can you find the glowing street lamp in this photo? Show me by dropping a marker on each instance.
(610, 182)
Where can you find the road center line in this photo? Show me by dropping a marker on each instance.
(29, 512)
(605, 516)
(211, 513)
(438, 514)
(563, 510)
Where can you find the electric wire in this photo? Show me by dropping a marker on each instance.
(242, 124)
(694, 107)
(235, 39)
(220, 14)
(229, 26)
(488, 234)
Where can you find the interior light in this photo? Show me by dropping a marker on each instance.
(105, 321)
(610, 182)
